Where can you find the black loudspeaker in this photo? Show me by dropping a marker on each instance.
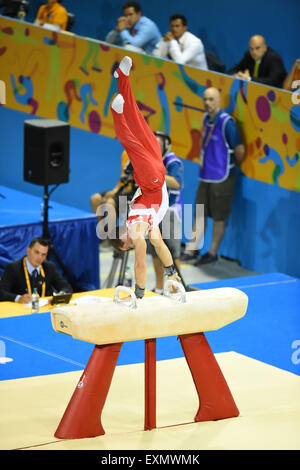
(46, 151)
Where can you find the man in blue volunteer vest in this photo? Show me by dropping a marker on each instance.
(222, 150)
(171, 225)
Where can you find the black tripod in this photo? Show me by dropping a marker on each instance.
(118, 257)
(46, 235)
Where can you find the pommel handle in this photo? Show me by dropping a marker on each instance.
(131, 303)
(180, 295)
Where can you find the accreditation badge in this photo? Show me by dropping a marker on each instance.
(201, 158)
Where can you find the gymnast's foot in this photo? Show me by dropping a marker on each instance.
(125, 66)
(118, 104)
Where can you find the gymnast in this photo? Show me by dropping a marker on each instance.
(150, 201)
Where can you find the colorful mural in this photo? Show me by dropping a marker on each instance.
(65, 77)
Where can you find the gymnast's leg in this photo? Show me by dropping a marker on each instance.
(135, 149)
(134, 118)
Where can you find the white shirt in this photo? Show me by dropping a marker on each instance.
(30, 270)
(188, 50)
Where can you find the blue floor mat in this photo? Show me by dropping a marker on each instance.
(268, 332)
(36, 349)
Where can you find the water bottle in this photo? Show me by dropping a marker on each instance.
(128, 277)
(35, 301)
(21, 13)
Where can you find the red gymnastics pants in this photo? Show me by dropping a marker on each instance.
(145, 155)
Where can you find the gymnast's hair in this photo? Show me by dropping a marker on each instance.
(114, 238)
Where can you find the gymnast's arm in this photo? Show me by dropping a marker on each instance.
(163, 253)
(137, 233)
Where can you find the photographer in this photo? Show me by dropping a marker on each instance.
(125, 187)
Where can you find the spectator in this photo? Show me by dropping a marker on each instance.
(12, 8)
(52, 13)
(171, 225)
(260, 64)
(22, 276)
(293, 76)
(134, 31)
(222, 150)
(180, 45)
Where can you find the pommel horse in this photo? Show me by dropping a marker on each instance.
(107, 325)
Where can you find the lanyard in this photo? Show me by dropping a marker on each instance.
(205, 144)
(28, 280)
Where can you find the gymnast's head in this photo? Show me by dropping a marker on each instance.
(120, 239)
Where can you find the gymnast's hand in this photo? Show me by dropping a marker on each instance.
(174, 277)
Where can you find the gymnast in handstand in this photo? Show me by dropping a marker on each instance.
(150, 202)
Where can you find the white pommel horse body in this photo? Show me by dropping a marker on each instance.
(109, 324)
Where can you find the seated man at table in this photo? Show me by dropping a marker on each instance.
(134, 31)
(22, 276)
(260, 64)
(181, 45)
(53, 13)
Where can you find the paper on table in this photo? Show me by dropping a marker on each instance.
(52, 27)
(89, 299)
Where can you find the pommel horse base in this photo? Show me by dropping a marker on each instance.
(109, 324)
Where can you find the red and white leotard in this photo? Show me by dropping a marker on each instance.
(151, 200)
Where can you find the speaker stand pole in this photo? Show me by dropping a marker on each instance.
(46, 235)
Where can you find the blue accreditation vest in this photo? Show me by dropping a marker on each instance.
(216, 155)
(175, 196)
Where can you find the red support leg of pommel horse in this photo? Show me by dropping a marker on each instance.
(150, 384)
(82, 418)
(215, 399)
